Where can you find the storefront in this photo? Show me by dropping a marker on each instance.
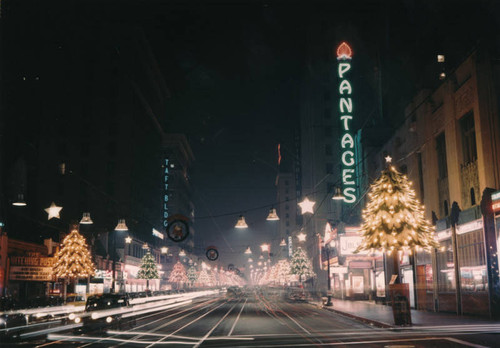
(473, 281)
(353, 274)
(29, 275)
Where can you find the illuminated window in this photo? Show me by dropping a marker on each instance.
(440, 58)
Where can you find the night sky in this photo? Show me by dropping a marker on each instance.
(234, 71)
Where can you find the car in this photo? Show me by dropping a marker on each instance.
(10, 324)
(234, 293)
(103, 312)
(296, 295)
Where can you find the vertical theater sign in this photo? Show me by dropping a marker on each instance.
(344, 56)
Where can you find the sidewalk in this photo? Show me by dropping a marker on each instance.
(381, 315)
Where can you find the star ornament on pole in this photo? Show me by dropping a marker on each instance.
(307, 206)
(53, 211)
(302, 237)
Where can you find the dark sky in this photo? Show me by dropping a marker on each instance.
(234, 70)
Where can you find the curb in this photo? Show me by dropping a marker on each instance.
(362, 319)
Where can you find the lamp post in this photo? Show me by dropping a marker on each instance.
(329, 287)
(121, 226)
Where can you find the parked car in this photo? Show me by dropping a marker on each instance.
(296, 295)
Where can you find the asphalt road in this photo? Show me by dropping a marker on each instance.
(255, 321)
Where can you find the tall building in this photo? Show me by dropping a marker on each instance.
(177, 197)
(287, 212)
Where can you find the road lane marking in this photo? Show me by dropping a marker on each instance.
(357, 343)
(200, 306)
(192, 338)
(191, 322)
(465, 343)
(213, 328)
(237, 318)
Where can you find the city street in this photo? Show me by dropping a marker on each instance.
(257, 320)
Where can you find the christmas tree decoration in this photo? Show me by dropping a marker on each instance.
(301, 237)
(204, 278)
(301, 265)
(306, 206)
(148, 268)
(178, 274)
(53, 211)
(282, 272)
(192, 275)
(394, 218)
(73, 260)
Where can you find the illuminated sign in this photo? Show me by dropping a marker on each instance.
(470, 226)
(495, 199)
(495, 196)
(495, 207)
(158, 234)
(348, 244)
(290, 247)
(165, 192)
(344, 55)
(33, 273)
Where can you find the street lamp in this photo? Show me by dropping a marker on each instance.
(338, 196)
(273, 216)
(19, 202)
(241, 222)
(86, 220)
(121, 226)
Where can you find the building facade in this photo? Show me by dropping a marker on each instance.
(449, 147)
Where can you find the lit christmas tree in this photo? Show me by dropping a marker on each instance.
(73, 260)
(204, 278)
(148, 269)
(282, 274)
(301, 265)
(394, 218)
(178, 274)
(192, 274)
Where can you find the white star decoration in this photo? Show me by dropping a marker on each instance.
(302, 237)
(53, 211)
(388, 159)
(307, 206)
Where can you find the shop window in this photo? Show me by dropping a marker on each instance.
(472, 261)
(445, 271)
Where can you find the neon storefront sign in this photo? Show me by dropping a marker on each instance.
(344, 56)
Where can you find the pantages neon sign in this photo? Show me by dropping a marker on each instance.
(344, 56)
